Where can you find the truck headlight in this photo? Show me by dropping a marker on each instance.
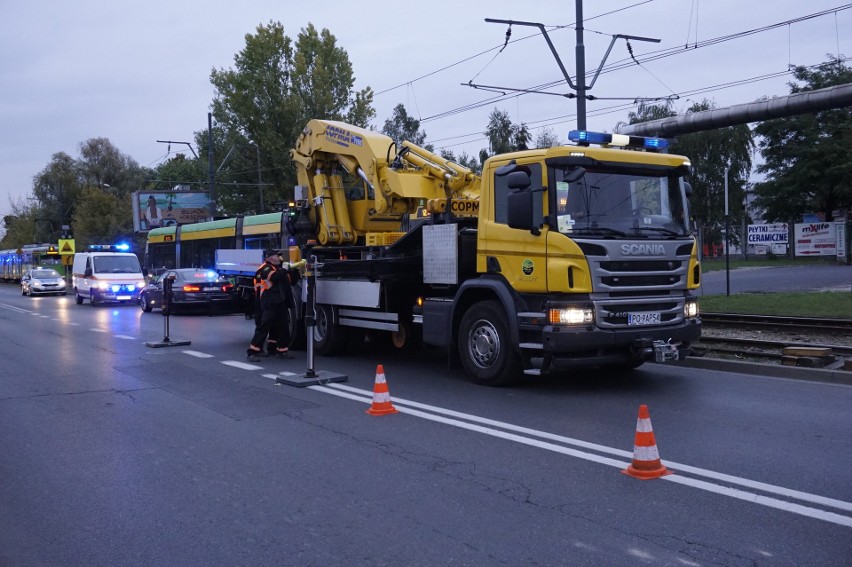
(690, 309)
(140, 284)
(571, 316)
(103, 285)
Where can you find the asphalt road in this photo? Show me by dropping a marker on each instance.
(115, 453)
(817, 277)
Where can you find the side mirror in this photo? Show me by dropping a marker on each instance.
(88, 272)
(520, 209)
(519, 180)
(687, 188)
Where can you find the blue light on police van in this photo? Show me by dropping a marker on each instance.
(122, 247)
(212, 275)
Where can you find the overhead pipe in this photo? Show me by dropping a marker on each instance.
(839, 96)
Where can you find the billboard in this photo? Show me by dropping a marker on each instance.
(153, 209)
(816, 239)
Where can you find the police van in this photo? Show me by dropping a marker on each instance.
(103, 274)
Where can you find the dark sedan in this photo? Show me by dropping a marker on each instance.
(191, 288)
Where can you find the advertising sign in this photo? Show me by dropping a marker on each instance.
(816, 239)
(153, 209)
(768, 233)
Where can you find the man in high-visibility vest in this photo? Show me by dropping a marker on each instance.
(274, 298)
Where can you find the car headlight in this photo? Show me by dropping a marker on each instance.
(690, 309)
(103, 285)
(571, 316)
(140, 284)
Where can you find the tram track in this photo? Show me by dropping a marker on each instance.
(764, 338)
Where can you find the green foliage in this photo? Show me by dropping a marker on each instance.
(499, 131)
(59, 187)
(833, 304)
(20, 226)
(274, 88)
(178, 170)
(808, 157)
(547, 138)
(503, 136)
(401, 127)
(102, 217)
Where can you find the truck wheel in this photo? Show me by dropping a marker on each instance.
(406, 337)
(78, 299)
(93, 301)
(485, 346)
(329, 337)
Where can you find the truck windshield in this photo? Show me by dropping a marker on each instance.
(606, 204)
(116, 265)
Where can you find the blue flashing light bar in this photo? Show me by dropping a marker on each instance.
(604, 139)
(121, 247)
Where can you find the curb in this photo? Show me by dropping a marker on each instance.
(769, 370)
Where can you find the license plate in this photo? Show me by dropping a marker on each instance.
(643, 318)
(123, 297)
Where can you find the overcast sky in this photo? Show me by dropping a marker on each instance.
(139, 72)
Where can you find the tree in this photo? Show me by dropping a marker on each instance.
(500, 132)
(101, 164)
(400, 126)
(20, 226)
(547, 138)
(807, 158)
(710, 152)
(274, 88)
(178, 170)
(56, 189)
(102, 217)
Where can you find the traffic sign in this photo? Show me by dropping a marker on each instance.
(66, 246)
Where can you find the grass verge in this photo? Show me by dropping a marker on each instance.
(832, 304)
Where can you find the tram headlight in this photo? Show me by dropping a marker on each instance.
(690, 309)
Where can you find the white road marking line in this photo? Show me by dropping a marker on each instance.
(98, 330)
(241, 365)
(270, 376)
(14, 308)
(366, 397)
(197, 354)
(128, 337)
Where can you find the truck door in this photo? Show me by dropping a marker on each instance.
(519, 255)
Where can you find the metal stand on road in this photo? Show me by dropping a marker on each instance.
(311, 377)
(167, 304)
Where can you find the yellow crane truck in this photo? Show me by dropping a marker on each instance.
(574, 256)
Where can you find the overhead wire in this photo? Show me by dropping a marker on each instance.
(652, 56)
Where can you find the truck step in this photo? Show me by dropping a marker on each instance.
(532, 346)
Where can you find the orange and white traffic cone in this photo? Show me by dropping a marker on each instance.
(646, 459)
(381, 396)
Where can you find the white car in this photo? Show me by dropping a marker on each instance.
(40, 281)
